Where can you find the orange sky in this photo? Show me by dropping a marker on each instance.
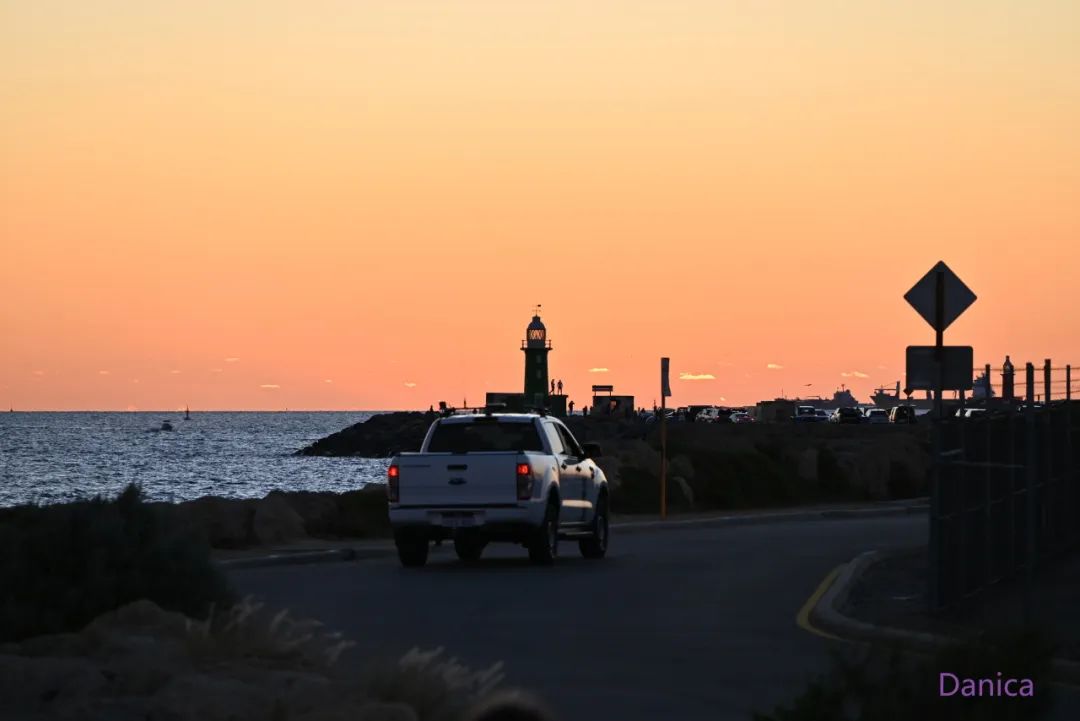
(261, 205)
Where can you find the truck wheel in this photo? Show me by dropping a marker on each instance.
(469, 547)
(596, 545)
(412, 549)
(544, 545)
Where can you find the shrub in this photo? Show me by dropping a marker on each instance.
(884, 684)
(63, 565)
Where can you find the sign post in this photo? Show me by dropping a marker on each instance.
(940, 297)
(665, 391)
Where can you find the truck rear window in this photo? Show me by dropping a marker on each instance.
(483, 436)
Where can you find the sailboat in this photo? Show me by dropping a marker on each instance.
(187, 413)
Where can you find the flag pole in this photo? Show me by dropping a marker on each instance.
(665, 390)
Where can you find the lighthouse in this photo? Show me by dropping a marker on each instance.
(536, 347)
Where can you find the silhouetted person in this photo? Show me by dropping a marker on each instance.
(552, 386)
(560, 386)
(571, 408)
(585, 412)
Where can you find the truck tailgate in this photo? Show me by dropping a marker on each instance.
(466, 479)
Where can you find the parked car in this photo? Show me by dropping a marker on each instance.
(522, 478)
(741, 417)
(970, 412)
(710, 414)
(846, 414)
(902, 414)
(877, 415)
(805, 414)
(821, 415)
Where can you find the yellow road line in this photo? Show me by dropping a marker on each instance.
(802, 618)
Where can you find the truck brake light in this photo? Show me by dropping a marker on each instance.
(393, 489)
(524, 482)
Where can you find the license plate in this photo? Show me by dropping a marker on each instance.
(460, 521)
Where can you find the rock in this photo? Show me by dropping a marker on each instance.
(223, 522)
(320, 511)
(380, 436)
(385, 712)
(683, 493)
(807, 465)
(275, 521)
(31, 685)
(206, 697)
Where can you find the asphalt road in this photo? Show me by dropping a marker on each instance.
(689, 623)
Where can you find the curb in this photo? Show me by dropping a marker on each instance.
(774, 517)
(826, 615)
(330, 555)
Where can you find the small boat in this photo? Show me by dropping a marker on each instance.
(166, 426)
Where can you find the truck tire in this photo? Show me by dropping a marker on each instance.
(544, 544)
(412, 549)
(596, 545)
(469, 547)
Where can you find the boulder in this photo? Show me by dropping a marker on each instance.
(223, 522)
(807, 465)
(380, 436)
(275, 521)
(320, 511)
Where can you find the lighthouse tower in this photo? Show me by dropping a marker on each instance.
(536, 347)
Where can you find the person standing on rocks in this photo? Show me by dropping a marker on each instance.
(571, 408)
(560, 386)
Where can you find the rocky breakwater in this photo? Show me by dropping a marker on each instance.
(380, 436)
(282, 517)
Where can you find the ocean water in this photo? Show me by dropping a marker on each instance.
(57, 457)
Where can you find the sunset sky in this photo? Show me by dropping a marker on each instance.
(356, 204)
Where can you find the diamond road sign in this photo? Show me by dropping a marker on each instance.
(923, 295)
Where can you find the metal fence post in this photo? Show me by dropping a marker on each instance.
(1046, 381)
(1068, 382)
(1007, 377)
(1029, 497)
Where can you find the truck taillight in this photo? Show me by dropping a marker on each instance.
(524, 482)
(393, 490)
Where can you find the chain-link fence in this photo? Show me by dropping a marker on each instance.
(1006, 496)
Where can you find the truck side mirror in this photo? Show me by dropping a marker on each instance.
(592, 450)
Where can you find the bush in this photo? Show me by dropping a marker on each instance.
(884, 684)
(63, 565)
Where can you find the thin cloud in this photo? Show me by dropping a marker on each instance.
(175, 372)
(854, 374)
(697, 377)
(135, 381)
(39, 373)
(725, 364)
(217, 370)
(328, 381)
(103, 373)
(409, 384)
(270, 386)
(232, 360)
(598, 370)
(774, 366)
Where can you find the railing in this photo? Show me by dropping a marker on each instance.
(1006, 498)
(1044, 381)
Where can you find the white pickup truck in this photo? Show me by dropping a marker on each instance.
(521, 478)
